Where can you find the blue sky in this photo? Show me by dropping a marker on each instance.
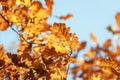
(89, 16)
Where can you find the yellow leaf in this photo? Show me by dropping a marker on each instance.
(94, 77)
(20, 1)
(110, 64)
(35, 7)
(55, 76)
(91, 54)
(40, 78)
(25, 2)
(36, 49)
(41, 15)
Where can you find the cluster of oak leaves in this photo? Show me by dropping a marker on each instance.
(45, 51)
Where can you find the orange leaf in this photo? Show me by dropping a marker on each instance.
(49, 4)
(3, 24)
(118, 19)
(82, 45)
(107, 43)
(35, 7)
(94, 39)
(68, 16)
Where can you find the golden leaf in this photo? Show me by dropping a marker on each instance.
(94, 77)
(49, 4)
(40, 78)
(20, 1)
(53, 41)
(94, 39)
(55, 76)
(91, 54)
(41, 15)
(28, 62)
(14, 19)
(35, 7)
(25, 2)
(61, 39)
(58, 38)
(74, 44)
(58, 75)
(110, 64)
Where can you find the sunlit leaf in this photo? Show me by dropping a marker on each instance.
(35, 7)
(46, 51)
(91, 54)
(110, 64)
(26, 2)
(82, 45)
(107, 43)
(49, 4)
(93, 38)
(94, 77)
(3, 24)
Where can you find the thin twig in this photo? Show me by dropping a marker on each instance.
(69, 64)
(13, 28)
(19, 34)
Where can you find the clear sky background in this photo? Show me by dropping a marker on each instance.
(89, 16)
